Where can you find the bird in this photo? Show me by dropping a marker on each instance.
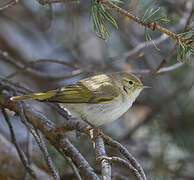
(99, 99)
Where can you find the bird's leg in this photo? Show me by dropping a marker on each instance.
(92, 128)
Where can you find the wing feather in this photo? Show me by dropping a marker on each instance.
(97, 89)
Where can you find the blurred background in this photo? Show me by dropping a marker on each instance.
(159, 129)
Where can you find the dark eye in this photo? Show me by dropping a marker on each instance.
(130, 82)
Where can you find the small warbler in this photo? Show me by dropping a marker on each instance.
(99, 99)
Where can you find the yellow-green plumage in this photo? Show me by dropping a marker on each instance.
(90, 90)
(99, 99)
(34, 96)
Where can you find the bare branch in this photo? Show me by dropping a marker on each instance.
(104, 164)
(68, 159)
(80, 126)
(44, 2)
(32, 63)
(11, 166)
(127, 155)
(28, 151)
(124, 163)
(12, 85)
(45, 126)
(10, 4)
(53, 134)
(42, 145)
(20, 152)
(145, 44)
(69, 150)
(38, 74)
(159, 71)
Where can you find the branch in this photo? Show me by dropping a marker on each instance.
(124, 163)
(35, 73)
(11, 166)
(83, 128)
(65, 147)
(127, 155)
(19, 151)
(153, 26)
(74, 168)
(143, 45)
(44, 2)
(104, 163)
(158, 71)
(42, 145)
(32, 63)
(10, 4)
(45, 126)
(55, 136)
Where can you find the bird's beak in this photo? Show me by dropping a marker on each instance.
(143, 87)
(146, 87)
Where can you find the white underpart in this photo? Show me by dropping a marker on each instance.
(99, 114)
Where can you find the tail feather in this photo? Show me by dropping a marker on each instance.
(40, 96)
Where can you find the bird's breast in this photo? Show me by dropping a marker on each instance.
(99, 114)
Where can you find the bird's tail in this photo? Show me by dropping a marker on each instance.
(40, 96)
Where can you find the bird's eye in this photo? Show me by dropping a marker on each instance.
(130, 82)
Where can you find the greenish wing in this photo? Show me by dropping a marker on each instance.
(79, 93)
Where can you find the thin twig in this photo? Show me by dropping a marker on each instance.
(143, 45)
(74, 168)
(79, 126)
(13, 85)
(83, 128)
(160, 71)
(28, 151)
(178, 27)
(35, 73)
(44, 2)
(124, 163)
(157, 70)
(69, 150)
(32, 63)
(29, 147)
(11, 166)
(152, 25)
(43, 148)
(162, 64)
(127, 155)
(64, 146)
(42, 145)
(60, 111)
(20, 152)
(10, 4)
(104, 164)
(70, 125)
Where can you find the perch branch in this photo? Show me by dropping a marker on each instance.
(104, 163)
(45, 126)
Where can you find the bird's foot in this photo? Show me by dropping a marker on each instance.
(93, 128)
